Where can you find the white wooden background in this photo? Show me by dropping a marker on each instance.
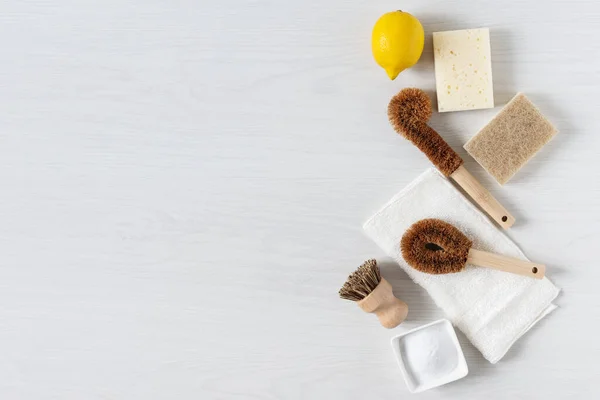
(184, 185)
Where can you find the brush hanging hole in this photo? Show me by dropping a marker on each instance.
(504, 218)
(534, 270)
(433, 247)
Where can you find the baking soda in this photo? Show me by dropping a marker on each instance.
(430, 356)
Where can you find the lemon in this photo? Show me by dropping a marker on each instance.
(397, 42)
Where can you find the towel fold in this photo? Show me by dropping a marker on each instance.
(492, 308)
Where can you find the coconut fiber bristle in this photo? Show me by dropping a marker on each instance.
(361, 282)
(435, 247)
(409, 112)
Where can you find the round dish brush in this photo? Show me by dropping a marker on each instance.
(409, 112)
(374, 295)
(437, 247)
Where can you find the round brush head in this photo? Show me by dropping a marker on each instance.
(361, 282)
(435, 247)
(408, 112)
(409, 108)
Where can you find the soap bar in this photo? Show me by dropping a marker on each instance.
(463, 69)
(511, 138)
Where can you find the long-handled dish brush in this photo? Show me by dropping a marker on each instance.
(374, 295)
(409, 112)
(436, 247)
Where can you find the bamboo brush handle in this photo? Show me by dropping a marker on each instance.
(507, 264)
(482, 197)
(382, 302)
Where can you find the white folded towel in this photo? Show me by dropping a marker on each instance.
(492, 308)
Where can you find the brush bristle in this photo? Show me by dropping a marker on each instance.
(361, 282)
(435, 247)
(408, 112)
(410, 107)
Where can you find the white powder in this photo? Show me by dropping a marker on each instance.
(429, 354)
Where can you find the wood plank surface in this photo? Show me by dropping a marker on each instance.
(184, 185)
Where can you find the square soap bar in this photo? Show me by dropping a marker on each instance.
(511, 138)
(463, 69)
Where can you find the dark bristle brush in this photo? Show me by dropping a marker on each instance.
(374, 295)
(437, 247)
(409, 112)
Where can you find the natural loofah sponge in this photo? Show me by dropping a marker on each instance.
(510, 139)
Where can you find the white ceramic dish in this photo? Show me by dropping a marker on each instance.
(430, 356)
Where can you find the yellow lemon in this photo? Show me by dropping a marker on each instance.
(397, 42)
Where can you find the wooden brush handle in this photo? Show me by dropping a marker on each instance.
(507, 264)
(390, 310)
(482, 197)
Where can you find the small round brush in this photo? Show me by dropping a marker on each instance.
(373, 294)
(409, 112)
(437, 247)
